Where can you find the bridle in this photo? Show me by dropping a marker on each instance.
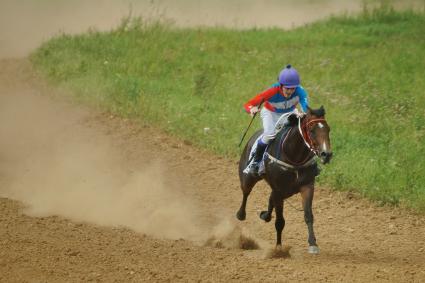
(305, 128)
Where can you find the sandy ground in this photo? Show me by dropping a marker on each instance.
(86, 196)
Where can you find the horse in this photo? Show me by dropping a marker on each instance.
(290, 167)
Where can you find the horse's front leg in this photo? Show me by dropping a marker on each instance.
(307, 194)
(280, 221)
(247, 183)
(241, 214)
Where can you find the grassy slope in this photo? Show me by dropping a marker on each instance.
(367, 71)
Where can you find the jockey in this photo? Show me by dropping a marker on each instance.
(281, 98)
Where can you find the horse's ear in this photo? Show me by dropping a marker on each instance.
(316, 112)
(322, 111)
(292, 120)
(309, 110)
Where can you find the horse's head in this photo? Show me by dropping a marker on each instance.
(316, 130)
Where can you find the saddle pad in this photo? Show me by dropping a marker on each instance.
(279, 127)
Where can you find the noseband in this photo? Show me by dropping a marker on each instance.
(305, 128)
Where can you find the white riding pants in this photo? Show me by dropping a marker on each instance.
(270, 126)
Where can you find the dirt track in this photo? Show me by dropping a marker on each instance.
(86, 196)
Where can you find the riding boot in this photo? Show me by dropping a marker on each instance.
(258, 156)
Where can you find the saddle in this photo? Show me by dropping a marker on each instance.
(279, 128)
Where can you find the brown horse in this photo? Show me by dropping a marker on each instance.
(290, 167)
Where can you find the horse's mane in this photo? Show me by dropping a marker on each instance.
(292, 120)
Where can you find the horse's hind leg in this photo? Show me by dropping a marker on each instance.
(307, 194)
(267, 215)
(247, 183)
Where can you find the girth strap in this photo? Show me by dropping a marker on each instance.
(287, 166)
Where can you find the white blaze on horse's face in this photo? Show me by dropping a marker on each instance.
(325, 147)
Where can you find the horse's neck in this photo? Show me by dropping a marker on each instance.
(292, 148)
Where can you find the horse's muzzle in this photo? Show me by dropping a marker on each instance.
(325, 156)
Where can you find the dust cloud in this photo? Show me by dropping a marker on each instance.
(228, 234)
(56, 165)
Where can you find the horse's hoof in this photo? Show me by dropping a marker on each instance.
(313, 250)
(241, 215)
(265, 216)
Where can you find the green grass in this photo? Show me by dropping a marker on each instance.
(368, 71)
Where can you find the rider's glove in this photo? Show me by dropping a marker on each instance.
(253, 110)
(299, 114)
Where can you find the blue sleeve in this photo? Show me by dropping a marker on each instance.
(302, 94)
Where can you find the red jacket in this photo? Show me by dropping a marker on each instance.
(275, 101)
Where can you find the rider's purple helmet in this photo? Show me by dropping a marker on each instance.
(289, 77)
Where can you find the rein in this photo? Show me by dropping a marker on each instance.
(305, 133)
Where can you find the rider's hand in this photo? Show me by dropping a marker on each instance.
(299, 114)
(253, 110)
